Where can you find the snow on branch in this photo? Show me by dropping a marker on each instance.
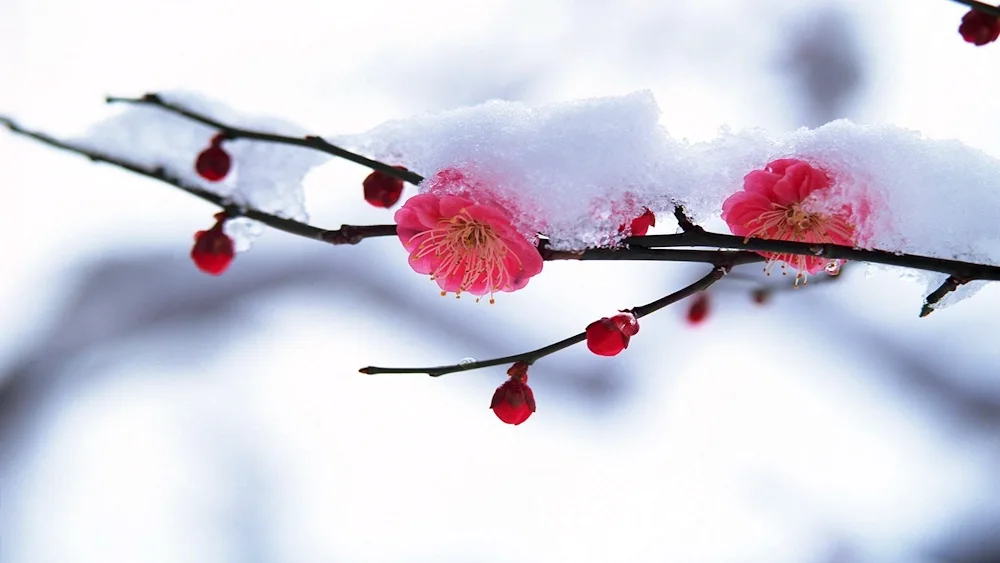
(510, 186)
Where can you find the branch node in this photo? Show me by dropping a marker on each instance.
(685, 222)
(233, 210)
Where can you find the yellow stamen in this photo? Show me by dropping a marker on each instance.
(793, 223)
(467, 248)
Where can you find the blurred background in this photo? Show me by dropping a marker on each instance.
(151, 413)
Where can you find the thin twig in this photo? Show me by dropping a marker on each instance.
(309, 141)
(714, 257)
(980, 7)
(965, 270)
(531, 357)
(347, 234)
(949, 285)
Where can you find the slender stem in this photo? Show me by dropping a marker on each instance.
(310, 141)
(715, 257)
(980, 7)
(347, 234)
(965, 270)
(701, 285)
(530, 357)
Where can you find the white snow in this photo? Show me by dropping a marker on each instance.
(577, 171)
(580, 169)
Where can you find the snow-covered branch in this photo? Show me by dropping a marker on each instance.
(508, 193)
(232, 133)
(346, 234)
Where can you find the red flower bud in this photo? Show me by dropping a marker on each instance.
(383, 190)
(213, 249)
(609, 336)
(513, 402)
(213, 163)
(979, 28)
(761, 296)
(699, 309)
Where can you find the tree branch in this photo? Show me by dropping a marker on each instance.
(311, 141)
(693, 235)
(980, 7)
(964, 270)
(347, 234)
(531, 357)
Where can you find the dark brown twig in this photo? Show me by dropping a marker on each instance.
(980, 7)
(949, 285)
(347, 234)
(714, 257)
(311, 141)
(965, 270)
(531, 357)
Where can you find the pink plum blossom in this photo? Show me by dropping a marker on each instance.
(789, 200)
(465, 246)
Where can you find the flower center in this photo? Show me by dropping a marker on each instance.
(793, 223)
(467, 248)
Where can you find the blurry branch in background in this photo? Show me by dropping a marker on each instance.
(535, 355)
(824, 65)
(119, 302)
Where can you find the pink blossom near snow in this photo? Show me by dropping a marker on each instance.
(465, 246)
(561, 169)
(787, 200)
(577, 170)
